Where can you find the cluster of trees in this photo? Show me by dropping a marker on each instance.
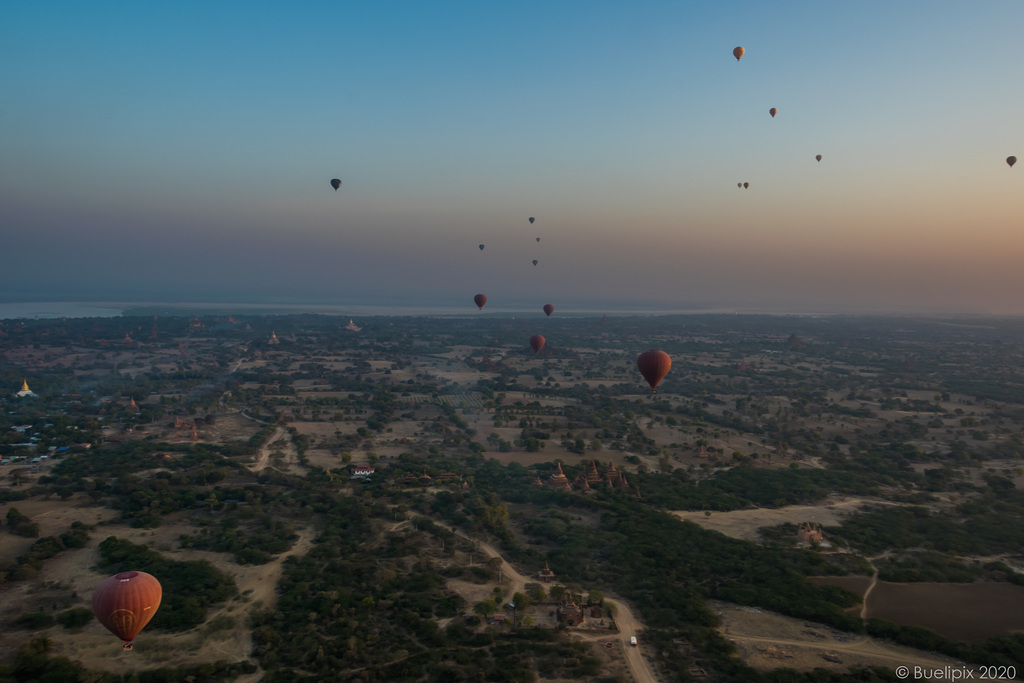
(28, 565)
(189, 588)
(270, 537)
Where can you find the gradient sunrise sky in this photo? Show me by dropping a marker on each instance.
(182, 151)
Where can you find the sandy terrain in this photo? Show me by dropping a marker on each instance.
(766, 640)
(743, 524)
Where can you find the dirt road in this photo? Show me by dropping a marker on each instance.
(627, 623)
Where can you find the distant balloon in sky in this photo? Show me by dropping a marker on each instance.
(654, 365)
(773, 111)
(549, 309)
(537, 343)
(818, 157)
(1011, 161)
(126, 602)
(531, 220)
(534, 261)
(335, 183)
(737, 53)
(481, 247)
(740, 185)
(538, 239)
(480, 300)
(746, 185)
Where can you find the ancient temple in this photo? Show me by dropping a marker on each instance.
(25, 391)
(352, 326)
(559, 481)
(809, 532)
(132, 407)
(273, 339)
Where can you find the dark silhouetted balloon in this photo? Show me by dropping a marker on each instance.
(549, 309)
(480, 300)
(818, 157)
(531, 219)
(1011, 161)
(739, 185)
(737, 53)
(126, 602)
(335, 184)
(481, 247)
(654, 365)
(746, 185)
(534, 261)
(538, 239)
(537, 343)
(773, 111)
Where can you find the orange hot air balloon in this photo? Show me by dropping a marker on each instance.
(480, 300)
(737, 53)
(549, 309)
(537, 343)
(1011, 161)
(773, 111)
(126, 602)
(531, 220)
(335, 183)
(746, 185)
(818, 157)
(654, 365)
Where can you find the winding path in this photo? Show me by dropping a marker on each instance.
(624, 619)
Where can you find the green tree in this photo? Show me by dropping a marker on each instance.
(486, 608)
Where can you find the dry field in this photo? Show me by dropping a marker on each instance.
(969, 612)
(765, 640)
(72, 572)
(744, 524)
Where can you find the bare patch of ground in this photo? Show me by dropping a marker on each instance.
(765, 640)
(744, 524)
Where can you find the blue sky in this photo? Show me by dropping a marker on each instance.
(183, 150)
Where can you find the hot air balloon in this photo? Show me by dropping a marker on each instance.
(549, 309)
(654, 365)
(739, 185)
(818, 157)
(737, 53)
(1011, 161)
(746, 185)
(538, 239)
(480, 300)
(534, 261)
(773, 111)
(481, 247)
(537, 343)
(531, 220)
(126, 602)
(335, 183)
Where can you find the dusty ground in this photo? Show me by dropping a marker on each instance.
(765, 640)
(743, 524)
(96, 648)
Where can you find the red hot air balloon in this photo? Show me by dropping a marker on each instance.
(480, 300)
(126, 602)
(335, 183)
(737, 53)
(654, 365)
(1011, 161)
(537, 343)
(549, 309)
